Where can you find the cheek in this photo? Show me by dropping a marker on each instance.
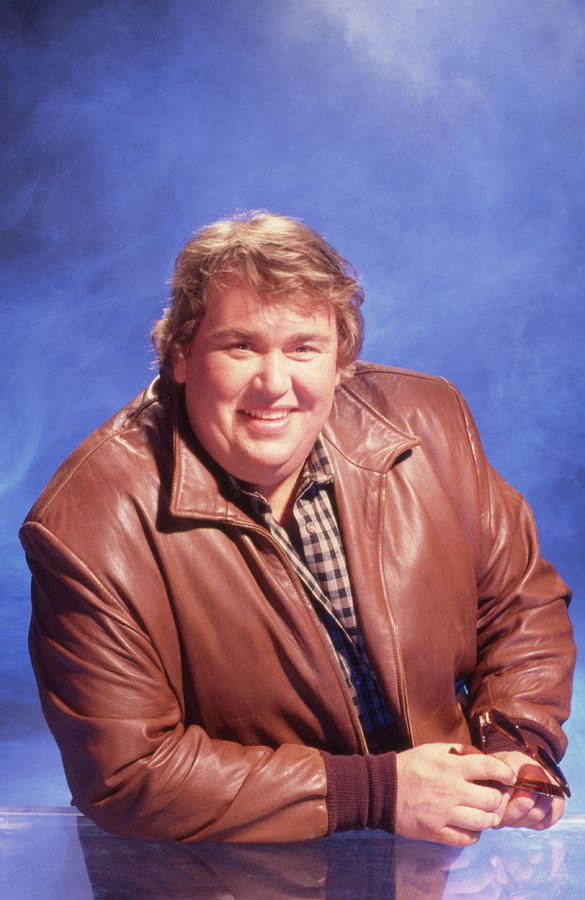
(321, 388)
(218, 384)
(317, 403)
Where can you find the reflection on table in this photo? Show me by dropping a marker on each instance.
(59, 853)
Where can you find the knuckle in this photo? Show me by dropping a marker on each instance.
(494, 801)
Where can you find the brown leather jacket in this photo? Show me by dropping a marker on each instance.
(181, 666)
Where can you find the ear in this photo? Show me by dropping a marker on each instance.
(180, 369)
(337, 377)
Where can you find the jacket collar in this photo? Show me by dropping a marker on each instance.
(199, 487)
(362, 437)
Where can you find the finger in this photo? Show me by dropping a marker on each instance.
(487, 768)
(519, 807)
(488, 798)
(542, 812)
(464, 750)
(532, 811)
(469, 818)
(525, 768)
(457, 837)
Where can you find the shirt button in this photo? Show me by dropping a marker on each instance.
(357, 679)
(311, 527)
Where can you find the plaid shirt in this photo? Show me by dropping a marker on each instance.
(316, 553)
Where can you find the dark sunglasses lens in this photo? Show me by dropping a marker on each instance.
(503, 723)
(496, 719)
(553, 768)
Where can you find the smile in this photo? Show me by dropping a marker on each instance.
(271, 415)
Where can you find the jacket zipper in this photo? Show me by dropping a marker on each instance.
(250, 526)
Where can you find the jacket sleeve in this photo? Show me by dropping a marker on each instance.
(131, 763)
(525, 648)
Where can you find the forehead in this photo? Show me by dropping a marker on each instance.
(238, 305)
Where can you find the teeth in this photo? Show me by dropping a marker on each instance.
(266, 413)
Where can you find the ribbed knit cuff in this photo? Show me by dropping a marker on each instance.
(361, 791)
(495, 741)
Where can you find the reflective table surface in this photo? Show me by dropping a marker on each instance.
(58, 853)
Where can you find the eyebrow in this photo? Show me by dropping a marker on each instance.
(228, 334)
(241, 334)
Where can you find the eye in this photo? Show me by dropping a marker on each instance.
(304, 351)
(239, 347)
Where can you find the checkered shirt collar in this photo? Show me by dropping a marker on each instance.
(316, 470)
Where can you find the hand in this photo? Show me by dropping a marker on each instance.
(439, 799)
(525, 809)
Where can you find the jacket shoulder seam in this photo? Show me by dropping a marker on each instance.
(107, 438)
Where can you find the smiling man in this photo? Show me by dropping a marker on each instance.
(282, 592)
(259, 385)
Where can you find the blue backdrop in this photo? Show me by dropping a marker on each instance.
(438, 145)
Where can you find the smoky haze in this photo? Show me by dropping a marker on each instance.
(438, 146)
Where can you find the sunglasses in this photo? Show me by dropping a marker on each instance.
(494, 720)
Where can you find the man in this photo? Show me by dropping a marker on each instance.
(274, 595)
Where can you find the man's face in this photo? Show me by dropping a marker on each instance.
(259, 383)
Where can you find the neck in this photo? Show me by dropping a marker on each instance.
(281, 500)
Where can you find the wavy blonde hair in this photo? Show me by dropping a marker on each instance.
(280, 259)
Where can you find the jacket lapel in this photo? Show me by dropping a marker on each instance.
(363, 447)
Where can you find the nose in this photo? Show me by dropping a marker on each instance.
(273, 376)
